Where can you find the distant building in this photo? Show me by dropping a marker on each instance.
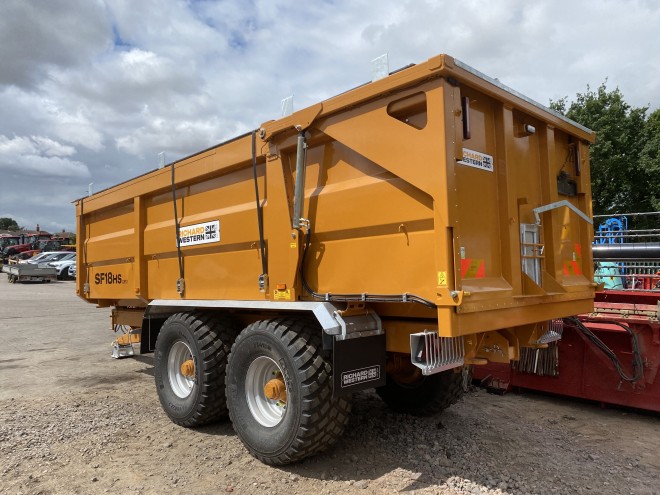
(60, 235)
(65, 235)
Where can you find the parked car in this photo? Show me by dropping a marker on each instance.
(63, 266)
(52, 256)
(35, 257)
(24, 256)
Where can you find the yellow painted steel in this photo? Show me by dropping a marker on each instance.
(128, 338)
(395, 203)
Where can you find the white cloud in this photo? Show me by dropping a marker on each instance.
(49, 147)
(36, 37)
(15, 146)
(32, 145)
(51, 166)
(154, 137)
(38, 155)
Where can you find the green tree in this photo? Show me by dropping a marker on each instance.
(7, 223)
(650, 158)
(620, 178)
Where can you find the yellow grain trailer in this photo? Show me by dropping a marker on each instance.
(389, 237)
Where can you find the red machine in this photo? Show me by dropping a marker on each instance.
(38, 242)
(9, 240)
(611, 355)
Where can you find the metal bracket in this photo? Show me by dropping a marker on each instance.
(449, 297)
(357, 321)
(123, 346)
(263, 282)
(304, 223)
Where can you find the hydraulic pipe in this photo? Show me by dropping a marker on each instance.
(633, 250)
(299, 192)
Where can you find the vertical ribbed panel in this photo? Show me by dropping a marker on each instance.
(433, 354)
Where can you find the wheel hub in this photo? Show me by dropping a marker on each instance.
(181, 369)
(265, 391)
(275, 389)
(188, 368)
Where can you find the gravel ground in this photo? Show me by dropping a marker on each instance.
(72, 420)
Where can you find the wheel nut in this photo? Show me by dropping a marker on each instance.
(275, 389)
(188, 368)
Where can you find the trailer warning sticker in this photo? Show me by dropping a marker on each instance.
(282, 295)
(362, 375)
(200, 233)
(476, 159)
(473, 268)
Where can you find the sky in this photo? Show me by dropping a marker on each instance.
(91, 91)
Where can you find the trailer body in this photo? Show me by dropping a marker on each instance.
(29, 273)
(427, 221)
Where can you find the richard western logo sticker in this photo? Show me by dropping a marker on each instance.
(475, 159)
(200, 233)
(355, 377)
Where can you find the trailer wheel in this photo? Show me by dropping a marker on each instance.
(190, 362)
(279, 391)
(425, 396)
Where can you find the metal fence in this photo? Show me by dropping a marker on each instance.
(627, 251)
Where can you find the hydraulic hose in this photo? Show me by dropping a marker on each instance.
(637, 364)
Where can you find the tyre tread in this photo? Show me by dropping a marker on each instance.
(322, 419)
(215, 336)
(427, 401)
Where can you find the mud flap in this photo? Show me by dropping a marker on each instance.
(358, 364)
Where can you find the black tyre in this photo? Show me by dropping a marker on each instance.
(279, 391)
(190, 363)
(425, 396)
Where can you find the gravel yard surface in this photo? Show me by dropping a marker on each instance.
(73, 420)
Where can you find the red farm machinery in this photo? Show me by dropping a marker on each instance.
(613, 354)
